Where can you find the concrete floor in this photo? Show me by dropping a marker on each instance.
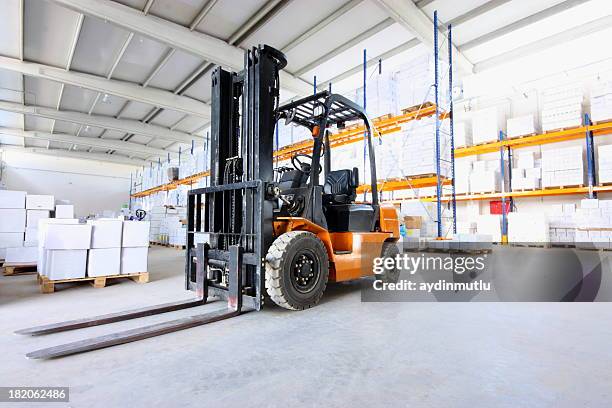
(341, 353)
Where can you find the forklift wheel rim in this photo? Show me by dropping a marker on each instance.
(305, 271)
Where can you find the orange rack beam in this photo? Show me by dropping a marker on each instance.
(536, 140)
(404, 184)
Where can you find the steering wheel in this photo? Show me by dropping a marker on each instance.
(302, 166)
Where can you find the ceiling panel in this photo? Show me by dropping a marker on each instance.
(36, 142)
(140, 58)
(499, 17)
(10, 120)
(558, 23)
(385, 40)
(90, 131)
(140, 139)
(182, 12)
(77, 99)
(299, 16)
(136, 110)
(113, 134)
(351, 24)
(225, 18)
(98, 46)
(11, 88)
(60, 145)
(38, 123)
(200, 89)
(191, 123)
(159, 143)
(10, 29)
(109, 105)
(48, 32)
(137, 4)
(448, 10)
(66, 127)
(167, 118)
(179, 67)
(11, 140)
(42, 92)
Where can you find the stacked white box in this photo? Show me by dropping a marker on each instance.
(21, 254)
(485, 181)
(521, 126)
(527, 228)
(32, 217)
(463, 134)
(64, 211)
(486, 125)
(414, 79)
(12, 199)
(12, 219)
(562, 167)
(463, 169)
(601, 101)
(604, 160)
(414, 152)
(526, 176)
(562, 107)
(64, 250)
(380, 95)
(489, 225)
(135, 243)
(40, 202)
(105, 252)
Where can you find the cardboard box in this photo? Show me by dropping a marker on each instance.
(12, 220)
(62, 236)
(12, 199)
(31, 236)
(134, 260)
(412, 222)
(135, 234)
(21, 254)
(32, 217)
(10, 239)
(65, 263)
(64, 211)
(106, 233)
(104, 262)
(40, 202)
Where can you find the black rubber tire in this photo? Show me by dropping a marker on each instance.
(389, 250)
(279, 262)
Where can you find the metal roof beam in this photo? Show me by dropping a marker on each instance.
(351, 43)
(79, 155)
(86, 141)
(199, 44)
(524, 22)
(127, 90)
(105, 122)
(540, 45)
(322, 24)
(416, 21)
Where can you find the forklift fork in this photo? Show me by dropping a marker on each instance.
(234, 308)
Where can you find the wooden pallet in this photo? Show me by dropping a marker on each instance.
(524, 189)
(521, 136)
(48, 286)
(563, 187)
(383, 117)
(416, 108)
(177, 246)
(605, 184)
(18, 268)
(530, 244)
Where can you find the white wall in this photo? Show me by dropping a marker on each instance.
(92, 186)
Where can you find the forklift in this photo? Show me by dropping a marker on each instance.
(258, 234)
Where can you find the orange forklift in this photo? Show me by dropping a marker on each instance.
(261, 234)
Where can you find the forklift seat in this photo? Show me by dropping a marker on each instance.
(342, 214)
(340, 186)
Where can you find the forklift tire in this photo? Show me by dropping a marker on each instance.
(297, 270)
(389, 250)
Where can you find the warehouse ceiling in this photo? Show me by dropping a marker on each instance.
(129, 80)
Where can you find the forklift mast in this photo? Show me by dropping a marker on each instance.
(233, 217)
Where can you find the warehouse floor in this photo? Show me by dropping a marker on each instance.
(372, 354)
